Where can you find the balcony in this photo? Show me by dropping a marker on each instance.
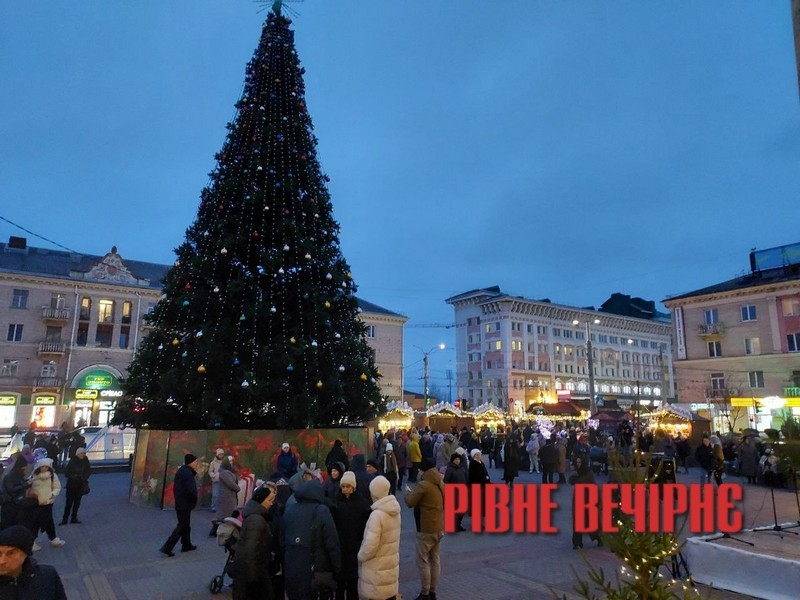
(58, 316)
(721, 394)
(47, 382)
(791, 392)
(51, 349)
(709, 329)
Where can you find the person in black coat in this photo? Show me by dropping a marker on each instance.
(21, 577)
(456, 474)
(311, 543)
(708, 461)
(363, 478)
(478, 475)
(185, 492)
(350, 514)
(14, 486)
(548, 456)
(78, 471)
(337, 454)
(255, 548)
(583, 474)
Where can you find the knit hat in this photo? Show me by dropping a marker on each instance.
(285, 446)
(374, 464)
(219, 452)
(389, 448)
(17, 536)
(454, 456)
(426, 464)
(261, 494)
(43, 462)
(80, 451)
(460, 451)
(189, 459)
(474, 452)
(348, 478)
(379, 487)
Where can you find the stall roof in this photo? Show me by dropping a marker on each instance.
(555, 409)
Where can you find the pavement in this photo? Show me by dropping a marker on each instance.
(113, 554)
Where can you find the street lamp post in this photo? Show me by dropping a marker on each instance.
(425, 366)
(590, 358)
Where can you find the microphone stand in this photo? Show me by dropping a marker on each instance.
(777, 527)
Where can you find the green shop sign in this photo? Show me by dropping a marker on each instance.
(8, 400)
(97, 380)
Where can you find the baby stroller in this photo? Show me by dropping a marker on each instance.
(227, 536)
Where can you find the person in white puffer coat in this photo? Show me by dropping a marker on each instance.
(45, 486)
(379, 556)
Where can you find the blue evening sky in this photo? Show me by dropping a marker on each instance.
(565, 150)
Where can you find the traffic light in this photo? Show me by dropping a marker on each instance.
(427, 400)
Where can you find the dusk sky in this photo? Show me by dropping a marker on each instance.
(563, 150)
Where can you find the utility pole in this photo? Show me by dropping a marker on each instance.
(590, 363)
(425, 375)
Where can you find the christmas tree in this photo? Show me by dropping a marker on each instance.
(258, 325)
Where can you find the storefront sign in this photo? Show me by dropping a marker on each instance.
(98, 381)
(8, 400)
(742, 402)
(111, 393)
(44, 401)
(85, 394)
(84, 403)
(108, 404)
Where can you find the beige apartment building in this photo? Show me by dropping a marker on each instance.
(72, 323)
(514, 352)
(737, 344)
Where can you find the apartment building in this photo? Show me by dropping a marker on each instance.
(73, 321)
(514, 352)
(737, 344)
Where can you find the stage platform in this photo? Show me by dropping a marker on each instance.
(769, 569)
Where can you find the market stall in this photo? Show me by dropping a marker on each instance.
(489, 416)
(443, 417)
(676, 419)
(399, 415)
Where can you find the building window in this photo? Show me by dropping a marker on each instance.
(530, 328)
(53, 335)
(516, 344)
(105, 313)
(793, 339)
(602, 338)
(752, 345)
(127, 311)
(711, 316)
(749, 312)
(9, 368)
(714, 349)
(124, 336)
(718, 381)
(15, 332)
(19, 299)
(791, 307)
(541, 330)
(102, 336)
(756, 379)
(58, 301)
(48, 369)
(498, 345)
(83, 334)
(371, 331)
(556, 332)
(86, 309)
(567, 333)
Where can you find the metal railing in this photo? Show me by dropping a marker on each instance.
(711, 329)
(51, 348)
(58, 314)
(47, 382)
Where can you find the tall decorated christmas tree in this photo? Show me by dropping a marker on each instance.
(258, 325)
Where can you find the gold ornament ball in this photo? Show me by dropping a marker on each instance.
(363, 377)
(327, 304)
(319, 384)
(292, 340)
(201, 369)
(175, 342)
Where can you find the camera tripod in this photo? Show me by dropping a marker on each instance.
(678, 565)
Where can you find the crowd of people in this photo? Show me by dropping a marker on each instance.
(335, 532)
(29, 486)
